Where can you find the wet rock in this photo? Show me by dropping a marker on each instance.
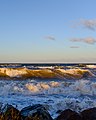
(35, 112)
(1, 104)
(59, 111)
(1, 115)
(10, 113)
(69, 115)
(89, 114)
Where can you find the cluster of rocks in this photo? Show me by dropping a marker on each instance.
(39, 112)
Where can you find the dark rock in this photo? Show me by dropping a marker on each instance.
(1, 110)
(59, 111)
(69, 115)
(89, 114)
(35, 112)
(10, 113)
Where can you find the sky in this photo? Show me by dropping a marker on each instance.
(58, 31)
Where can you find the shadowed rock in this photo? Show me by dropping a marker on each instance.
(89, 114)
(10, 113)
(35, 112)
(69, 115)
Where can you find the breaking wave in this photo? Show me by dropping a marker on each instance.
(45, 73)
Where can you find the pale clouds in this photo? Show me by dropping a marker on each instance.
(84, 23)
(50, 38)
(88, 40)
(90, 24)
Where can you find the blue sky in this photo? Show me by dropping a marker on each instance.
(47, 31)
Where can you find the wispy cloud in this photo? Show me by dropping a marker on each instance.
(74, 47)
(50, 37)
(89, 24)
(88, 40)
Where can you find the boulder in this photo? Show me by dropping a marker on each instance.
(10, 113)
(35, 112)
(89, 114)
(1, 104)
(69, 115)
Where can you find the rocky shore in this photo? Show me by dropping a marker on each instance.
(39, 112)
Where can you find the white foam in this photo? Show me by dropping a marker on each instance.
(91, 66)
(32, 87)
(81, 87)
(55, 95)
(13, 72)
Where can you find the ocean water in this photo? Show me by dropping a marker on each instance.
(76, 93)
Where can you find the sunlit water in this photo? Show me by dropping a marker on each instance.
(53, 94)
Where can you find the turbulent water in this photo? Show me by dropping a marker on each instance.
(70, 86)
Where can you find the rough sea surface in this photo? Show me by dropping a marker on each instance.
(55, 94)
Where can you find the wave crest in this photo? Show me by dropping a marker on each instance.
(44, 73)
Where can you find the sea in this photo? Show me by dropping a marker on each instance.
(72, 91)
